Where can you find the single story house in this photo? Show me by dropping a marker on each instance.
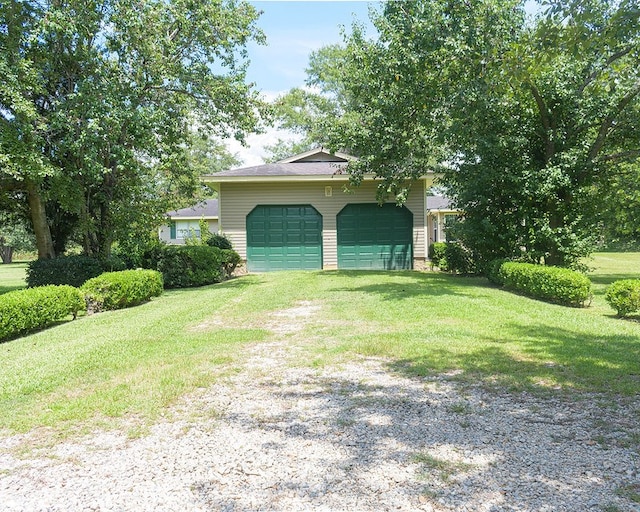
(439, 214)
(185, 222)
(301, 213)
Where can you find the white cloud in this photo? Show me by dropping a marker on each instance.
(254, 152)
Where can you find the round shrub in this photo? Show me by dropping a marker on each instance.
(35, 308)
(554, 284)
(117, 290)
(184, 266)
(624, 296)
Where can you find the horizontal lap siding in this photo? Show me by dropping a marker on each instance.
(238, 199)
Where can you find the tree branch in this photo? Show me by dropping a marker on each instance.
(607, 123)
(622, 155)
(612, 58)
(549, 148)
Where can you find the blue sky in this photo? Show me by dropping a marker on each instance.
(293, 29)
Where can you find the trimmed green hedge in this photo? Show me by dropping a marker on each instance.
(35, 308)
(184, 266)
(624, 296)
(553, 284)
(493, 271)
(71, 270)
(117, 290)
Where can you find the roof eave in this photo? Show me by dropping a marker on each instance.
(212, 178)
(199, 217)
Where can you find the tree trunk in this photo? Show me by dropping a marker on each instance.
(6, 253)
(554, 256)
(38, 215)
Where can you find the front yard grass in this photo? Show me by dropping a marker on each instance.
(12, 276)
(134, 363)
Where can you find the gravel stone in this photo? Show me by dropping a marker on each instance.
(349, 437)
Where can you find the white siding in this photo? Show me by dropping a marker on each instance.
(238, 199)
(164, 232)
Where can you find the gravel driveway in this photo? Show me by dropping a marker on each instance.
(350, 437)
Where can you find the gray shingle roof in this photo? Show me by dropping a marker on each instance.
(438, 203)
(208, 208)
(288, 169)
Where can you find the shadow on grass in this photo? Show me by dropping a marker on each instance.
(11, 288)
(551, 359)
(607, 279)
(409, 284)
(239, 283)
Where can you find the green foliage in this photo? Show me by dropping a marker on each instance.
(301, 111)
(452, 257)
(117, 290)
(493, 271)
(184, 266)
(531, 123)
(620, 216)
(437, 255)
(553, 284)
(133, 252)
(219, 240)
(15, 234)
(459, 259)
(22, 311)
(98, 105)
(624, 296)
(230, 259)
(72, 270)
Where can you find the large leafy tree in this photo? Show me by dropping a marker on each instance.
(530, 121)
(102, 102)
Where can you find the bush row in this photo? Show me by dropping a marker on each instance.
(117, 290)
(554, 284)
(35, 308)
(71, 270)
(624, 296)
(452, 257)
(181, 266)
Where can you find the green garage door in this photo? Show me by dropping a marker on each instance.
(284, 238)
(375, 237)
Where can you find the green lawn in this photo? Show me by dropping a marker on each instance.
(12, 276)
(133, 363)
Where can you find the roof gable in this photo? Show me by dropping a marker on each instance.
(317, 155)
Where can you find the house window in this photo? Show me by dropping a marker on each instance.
(450, 219)
(186, 229)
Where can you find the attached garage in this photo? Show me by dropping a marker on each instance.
(303, 213)
(284, 237)
(371, 236)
